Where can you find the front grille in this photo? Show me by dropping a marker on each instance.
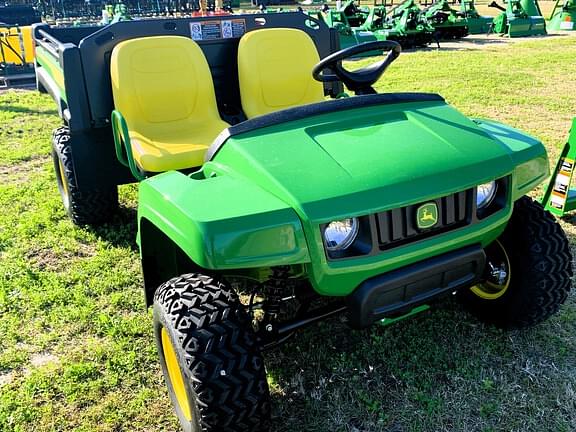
(398, 226)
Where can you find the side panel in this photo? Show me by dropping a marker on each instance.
(59, 69)
(222, 223)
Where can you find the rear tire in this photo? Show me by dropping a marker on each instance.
(220, 381)
(85, 207)
(540, 273)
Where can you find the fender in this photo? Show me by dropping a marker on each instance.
(221, 222)
(528, 155)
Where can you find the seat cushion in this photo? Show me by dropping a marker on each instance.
(275, 70)
(174, 151)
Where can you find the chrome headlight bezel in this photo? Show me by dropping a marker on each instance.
(485, 194)
(339, 235)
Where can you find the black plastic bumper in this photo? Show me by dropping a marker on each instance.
(401, 290)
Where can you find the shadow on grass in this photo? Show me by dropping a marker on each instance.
(121, 230)
(409, 375)
(25, 110)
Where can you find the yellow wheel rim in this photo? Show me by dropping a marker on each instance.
(175, 375)
(491, 290)
(63, 179)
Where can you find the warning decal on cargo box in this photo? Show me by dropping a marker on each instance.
(562, 184)
(214, 30)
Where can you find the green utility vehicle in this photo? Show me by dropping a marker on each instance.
(298, 208)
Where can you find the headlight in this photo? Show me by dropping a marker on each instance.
(339, 235)
(485, 193)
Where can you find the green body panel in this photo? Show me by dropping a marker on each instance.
(49, 63)
(531, 8)
(295, 176)
(559, 197)
(480, 25)
(223, 222)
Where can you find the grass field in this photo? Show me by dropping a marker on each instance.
(76, 346)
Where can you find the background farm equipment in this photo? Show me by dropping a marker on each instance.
(519, 18)
(563, 16)
(21, 15)
(16, 56)
(476, 23)
(355, 25)
(447, 22)
(410, 26)
(560, 197)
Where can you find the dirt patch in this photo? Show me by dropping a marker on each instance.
(51, 260)
(42, 359)
(6, 378)
(22, 172)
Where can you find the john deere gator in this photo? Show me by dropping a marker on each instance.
(265, 207)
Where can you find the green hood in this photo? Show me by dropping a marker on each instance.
(375, 157)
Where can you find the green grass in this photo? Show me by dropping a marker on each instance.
(77, 352)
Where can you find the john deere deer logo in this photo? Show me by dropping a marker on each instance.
(427, 215)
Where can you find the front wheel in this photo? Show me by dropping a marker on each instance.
(210, 357)
(529, 271)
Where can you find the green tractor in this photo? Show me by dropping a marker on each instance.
(519, 18)
(563, 16)
(264, 208)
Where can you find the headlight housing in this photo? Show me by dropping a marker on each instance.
(485, 194)
(339, 235)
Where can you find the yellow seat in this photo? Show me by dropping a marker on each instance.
(163, 88)
(275, 71)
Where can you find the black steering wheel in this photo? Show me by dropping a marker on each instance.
(359, 81)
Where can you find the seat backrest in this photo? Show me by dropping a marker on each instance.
(162, 83)
(275, 70)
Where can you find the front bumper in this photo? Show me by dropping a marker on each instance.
(399, 291)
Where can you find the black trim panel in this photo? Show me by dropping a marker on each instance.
(401, 290)
(325, 107)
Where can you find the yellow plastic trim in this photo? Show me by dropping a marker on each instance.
(175, 375)
(492, 291)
